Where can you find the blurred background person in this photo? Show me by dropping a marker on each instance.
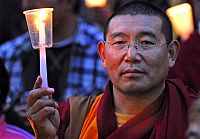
(99, 14)
(8, 131)
(72, 60)
(11, 20)
(194, 121)
(187, 65)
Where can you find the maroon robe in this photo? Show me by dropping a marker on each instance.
(165, 118)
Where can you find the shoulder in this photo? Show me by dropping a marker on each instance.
(87, 26)
(79, 100)
(74, 102)
(12, 47)
(72, 113)
(187, 92)
(89, 30)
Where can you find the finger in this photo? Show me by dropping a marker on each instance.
(55, 120)
(41, 117)
(38, 82)
(39, 104)
(38, 93)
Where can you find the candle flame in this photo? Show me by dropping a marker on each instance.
(42, 15)
(40, 20)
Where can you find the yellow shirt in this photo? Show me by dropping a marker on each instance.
(122, 118)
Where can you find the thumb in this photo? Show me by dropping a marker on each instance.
(38, 82)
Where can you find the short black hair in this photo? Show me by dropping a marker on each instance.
(140, 7)
(4, 84)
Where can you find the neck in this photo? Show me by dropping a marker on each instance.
(66, 28)
(131, 104)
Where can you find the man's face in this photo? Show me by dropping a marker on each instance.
(134, 71)
(59, 7)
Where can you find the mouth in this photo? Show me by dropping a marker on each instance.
(133, 73)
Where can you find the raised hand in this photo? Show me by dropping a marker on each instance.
(42, 112)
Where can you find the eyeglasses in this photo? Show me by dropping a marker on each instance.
(123, 46)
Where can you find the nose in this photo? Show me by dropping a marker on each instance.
(132, 54)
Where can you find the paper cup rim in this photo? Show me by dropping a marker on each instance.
(36, 10)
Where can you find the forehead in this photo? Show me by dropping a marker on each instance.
(132, 25)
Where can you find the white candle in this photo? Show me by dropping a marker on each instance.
(43, 65)
(40, 20)
(42, 34)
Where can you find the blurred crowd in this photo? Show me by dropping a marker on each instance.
(74, 57)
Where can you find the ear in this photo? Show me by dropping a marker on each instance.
(101, 51)
(173, 49)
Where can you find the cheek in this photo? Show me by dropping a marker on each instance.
(113, 61)
(158, 64)
(110, 64)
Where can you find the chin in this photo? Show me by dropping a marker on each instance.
(131, 88)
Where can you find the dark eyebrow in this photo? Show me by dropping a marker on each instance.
(144, 33)
(118, 34)
(147, 33)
